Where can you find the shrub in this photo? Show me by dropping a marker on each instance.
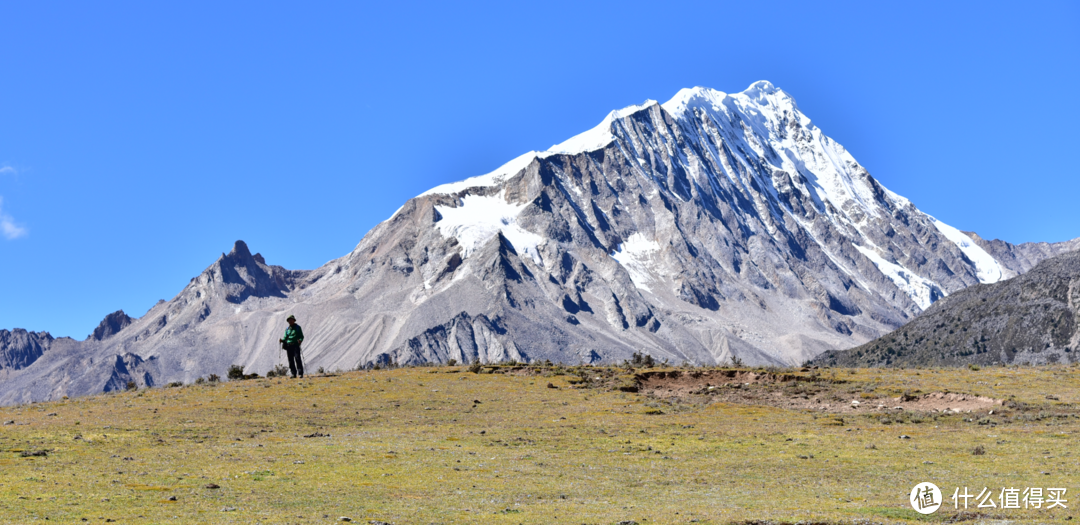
(174, 384)
(132, 386)
(200, 381)
(214, 378)
(475, 367)
(640, 360)
(451, 362)
(235, 372)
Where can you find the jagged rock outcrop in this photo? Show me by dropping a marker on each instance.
(19, 348)
(111, 325)
(244, 275)
(125, 370)
(1031, 319)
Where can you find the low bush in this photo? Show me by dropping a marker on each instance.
(235, 372)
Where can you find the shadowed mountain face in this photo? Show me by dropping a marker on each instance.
(1031, 319)
(19, 348)
(709, 228)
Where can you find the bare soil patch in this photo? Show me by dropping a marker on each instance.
(799, 392)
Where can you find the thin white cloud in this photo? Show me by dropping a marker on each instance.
(8, 170)
(8, 228)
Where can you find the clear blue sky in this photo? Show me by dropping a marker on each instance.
(139, 140)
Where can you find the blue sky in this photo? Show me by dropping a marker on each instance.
(139, 140)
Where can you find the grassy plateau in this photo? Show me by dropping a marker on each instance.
(549, 444)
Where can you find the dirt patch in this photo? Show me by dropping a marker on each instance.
(948, 401)
(669, 383)
(800, 392)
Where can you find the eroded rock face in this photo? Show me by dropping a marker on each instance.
(1033, 318)
(712, 228)
(19, 348)
(127, 369)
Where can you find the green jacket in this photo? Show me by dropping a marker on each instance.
(294, 335)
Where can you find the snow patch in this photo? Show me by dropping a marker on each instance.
(597, 137)
(923, 291)
(525, 242)
(637, 255)
(987, 268)
(487, 180)
(478, 218)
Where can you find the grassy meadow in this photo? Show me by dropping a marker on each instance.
(538, 445)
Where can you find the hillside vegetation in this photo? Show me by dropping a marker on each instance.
(1030, 319)
(535, 444)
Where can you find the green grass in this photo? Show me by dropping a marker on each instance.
(412, 446)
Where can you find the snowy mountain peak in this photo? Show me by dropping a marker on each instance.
(695, 97)
(764, 96)
(763, 86)
(760, 143)
(760, 96)
(755, 142)
(764, 92)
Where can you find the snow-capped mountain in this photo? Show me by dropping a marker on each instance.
(710, 228)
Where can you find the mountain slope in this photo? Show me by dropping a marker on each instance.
(710, 228)
(1034, 318)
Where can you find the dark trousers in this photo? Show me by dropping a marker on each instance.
(296, 364)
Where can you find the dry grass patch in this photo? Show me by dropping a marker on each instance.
(523, 444)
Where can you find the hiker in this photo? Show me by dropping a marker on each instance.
(291, 343)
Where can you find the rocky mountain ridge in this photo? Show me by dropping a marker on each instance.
(1031, 319)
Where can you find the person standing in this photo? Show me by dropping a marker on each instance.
(294, 335)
